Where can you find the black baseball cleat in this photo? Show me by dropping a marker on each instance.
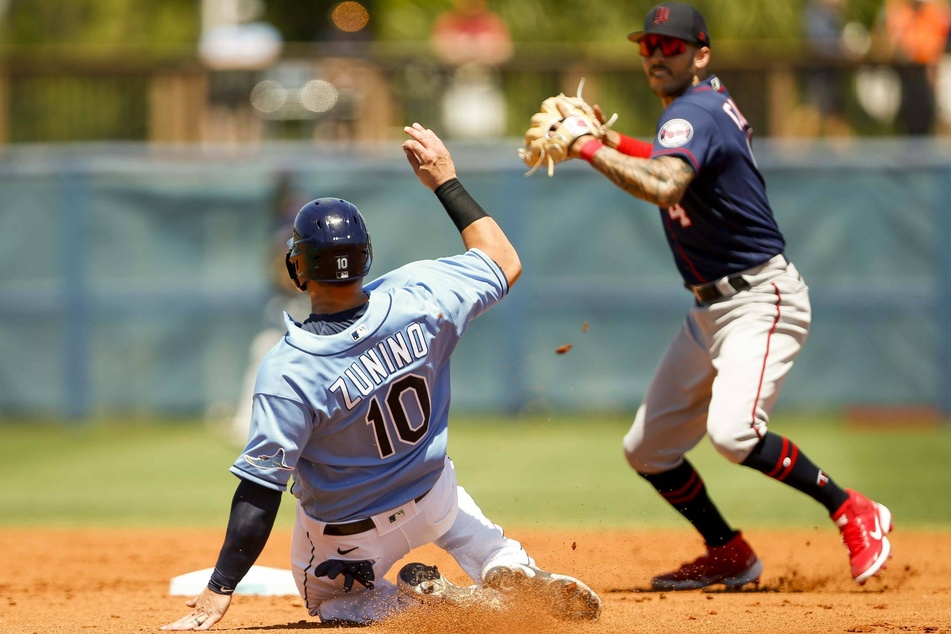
(419, 579)
(426, 585)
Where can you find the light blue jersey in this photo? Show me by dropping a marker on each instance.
(360, 417)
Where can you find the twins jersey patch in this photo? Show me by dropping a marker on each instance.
(675, 133)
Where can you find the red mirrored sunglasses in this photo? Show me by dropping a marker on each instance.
(669, 46)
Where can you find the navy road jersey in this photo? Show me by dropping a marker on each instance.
(359, 418)
(724, 223)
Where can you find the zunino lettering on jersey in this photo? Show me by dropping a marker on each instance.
(375, 365)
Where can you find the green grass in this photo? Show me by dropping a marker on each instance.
(525, 472)
(108, 474)
(571, 473)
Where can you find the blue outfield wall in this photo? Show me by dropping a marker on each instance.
(133, 279)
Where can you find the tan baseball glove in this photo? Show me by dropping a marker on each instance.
(557, 124)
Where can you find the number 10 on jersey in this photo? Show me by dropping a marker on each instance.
(406, 399)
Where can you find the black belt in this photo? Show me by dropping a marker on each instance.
(712, 291)
(354, 528)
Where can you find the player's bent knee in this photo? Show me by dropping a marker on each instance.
(646, 462)
(730, 447)
(633, 453)
(636, 463)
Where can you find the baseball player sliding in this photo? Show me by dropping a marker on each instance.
(722, 373)
(354, 404)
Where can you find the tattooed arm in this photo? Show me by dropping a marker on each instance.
(662, 180)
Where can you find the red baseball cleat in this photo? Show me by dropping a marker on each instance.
(733, 564)
(864, 524)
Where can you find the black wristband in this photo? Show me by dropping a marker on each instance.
(219, 584)
(460, 205)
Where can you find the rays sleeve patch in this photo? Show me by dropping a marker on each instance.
(274, 461)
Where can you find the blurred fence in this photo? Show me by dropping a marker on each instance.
(319, 92)
(134, 278)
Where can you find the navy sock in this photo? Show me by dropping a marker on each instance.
(780, 458)
(683, 488)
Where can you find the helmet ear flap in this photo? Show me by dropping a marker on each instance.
(292, 272)
(366, 269)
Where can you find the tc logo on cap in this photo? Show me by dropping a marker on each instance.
(662, 15)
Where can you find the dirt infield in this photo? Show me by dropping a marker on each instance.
(117, 581)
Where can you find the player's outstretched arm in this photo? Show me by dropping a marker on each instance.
(486, 235)
(661, 180)
(432, 163)
(253, 511)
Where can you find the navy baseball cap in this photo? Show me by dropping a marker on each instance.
(674, 19)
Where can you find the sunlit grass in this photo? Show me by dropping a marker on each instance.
(523, 472)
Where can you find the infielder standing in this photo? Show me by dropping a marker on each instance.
(722, 372)
(354, 404)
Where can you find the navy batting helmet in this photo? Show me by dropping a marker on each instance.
(330, 243)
